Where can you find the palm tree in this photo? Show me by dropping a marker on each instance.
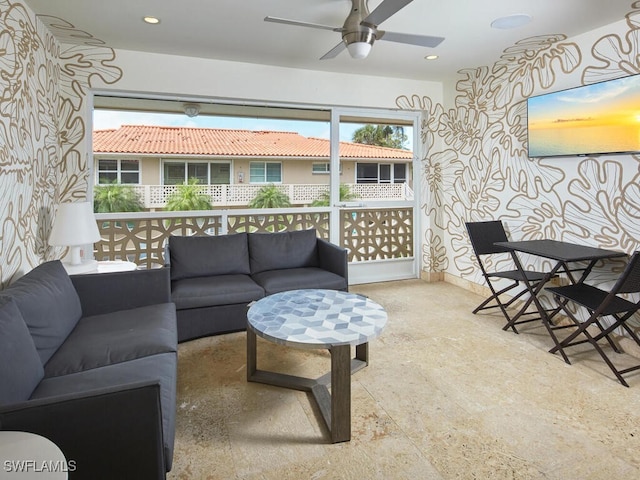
(345, 196)
(115, 197)
(188, 196)
(270, 196)
(381, 135)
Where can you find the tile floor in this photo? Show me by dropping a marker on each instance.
(447, 395)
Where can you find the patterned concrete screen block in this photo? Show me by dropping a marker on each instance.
(317, 318)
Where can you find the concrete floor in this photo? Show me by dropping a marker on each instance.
(447, 395)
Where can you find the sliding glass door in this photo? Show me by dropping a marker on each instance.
(347, 173)
(374, 199)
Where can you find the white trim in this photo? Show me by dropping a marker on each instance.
(382, 270)
(393, 269)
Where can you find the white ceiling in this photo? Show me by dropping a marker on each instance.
(235, 30)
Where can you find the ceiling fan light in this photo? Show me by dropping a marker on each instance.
(359, 50)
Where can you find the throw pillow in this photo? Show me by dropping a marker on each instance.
(20, 366)
(206, 255)
(282, 250)
(49, 305)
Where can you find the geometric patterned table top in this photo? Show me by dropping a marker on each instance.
(316, 318)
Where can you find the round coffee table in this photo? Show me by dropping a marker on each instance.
(326, 319)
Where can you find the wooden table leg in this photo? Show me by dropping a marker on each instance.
(251, 354)
(340, 393)
(362, 352)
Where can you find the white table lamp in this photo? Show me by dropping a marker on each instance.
(75, 226)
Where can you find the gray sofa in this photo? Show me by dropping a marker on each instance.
(89, 362)
(214, 278)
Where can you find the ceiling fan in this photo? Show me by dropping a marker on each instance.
(360, 29)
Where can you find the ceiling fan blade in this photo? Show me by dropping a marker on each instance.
(385, 10)
(411, 39)
(302, 24)
(334, 52)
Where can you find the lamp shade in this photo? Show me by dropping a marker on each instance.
(74, 224)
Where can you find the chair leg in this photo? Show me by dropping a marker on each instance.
(568, 341)
(515, 320)
(604, 333)
(523, 310)
(494, 296)
(511, 321)
(606, 360)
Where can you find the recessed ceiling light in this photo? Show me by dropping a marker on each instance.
(151, 20)
(431, 57)
(511, 21)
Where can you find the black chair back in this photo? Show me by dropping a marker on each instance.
(483, 235)
(629, 282)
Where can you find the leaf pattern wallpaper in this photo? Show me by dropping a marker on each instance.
(42, 129)
(476, 167)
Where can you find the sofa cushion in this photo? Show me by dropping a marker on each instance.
(116, 337)
(213, 291)
(161, 368)
(205, 255)
(49, 305)
(275, 251)
(275, 281)
(20, 365)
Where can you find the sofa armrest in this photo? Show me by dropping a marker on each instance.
(333, 258)
(103, 434)
(102, 293)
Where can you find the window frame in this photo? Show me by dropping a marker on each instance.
(185, 166)
(379, 165)
(118, 171)
(265, 177)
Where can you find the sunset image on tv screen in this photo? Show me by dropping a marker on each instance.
(593, 119)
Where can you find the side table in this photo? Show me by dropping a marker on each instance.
(116, 266)
(105, 266)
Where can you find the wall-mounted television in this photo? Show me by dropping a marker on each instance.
(592, 119)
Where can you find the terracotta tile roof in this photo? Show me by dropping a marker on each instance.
(152, 140)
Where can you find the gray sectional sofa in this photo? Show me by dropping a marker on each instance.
(89, 362)
(214, 278)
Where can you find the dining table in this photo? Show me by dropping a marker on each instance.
(573, 260)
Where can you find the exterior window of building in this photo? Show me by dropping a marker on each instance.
(381, 173)
(385, 173)
(207, 173)
(220, 173)
(118, 171)
(318, 168)
(199, 171)
(174, 173)
(399, 173)
(265, 172)
(322, 168)
(367, 173)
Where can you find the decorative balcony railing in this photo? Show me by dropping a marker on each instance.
(155, 196)
(368, 234)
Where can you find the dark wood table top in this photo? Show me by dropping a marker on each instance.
(561, 251)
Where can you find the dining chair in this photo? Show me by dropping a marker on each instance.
(602, 303)
(483, 236)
